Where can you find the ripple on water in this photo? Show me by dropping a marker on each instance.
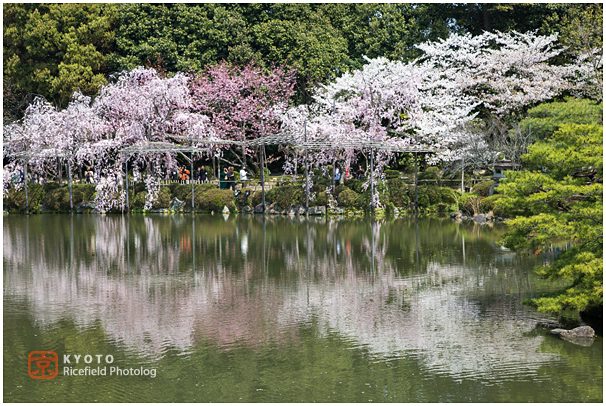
(365, 311)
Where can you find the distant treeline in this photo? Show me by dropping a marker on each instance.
(53, 49)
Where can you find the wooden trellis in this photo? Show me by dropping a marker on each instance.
(317, 143)
(45, 153)
(353, 142)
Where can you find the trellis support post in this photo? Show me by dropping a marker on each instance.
(25, 180)
(69, 178)
(372, 184)
(263, 170)
(126, 177)
(416, 183)
(191, 174)
(306, 170)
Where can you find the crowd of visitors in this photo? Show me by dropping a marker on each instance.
(227, 178)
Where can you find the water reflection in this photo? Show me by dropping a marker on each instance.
(429, 287)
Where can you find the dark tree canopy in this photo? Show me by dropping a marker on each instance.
(53, 49)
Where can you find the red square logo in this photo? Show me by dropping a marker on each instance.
(43, 364)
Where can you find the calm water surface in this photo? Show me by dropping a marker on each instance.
(246, 309)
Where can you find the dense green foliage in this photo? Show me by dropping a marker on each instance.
(216, 199)
(162, 200)
(15, 199)
(543, 120)
(49, 197)
(491, 203)
(483, 188)
(286, 196)
(52, 49)
(347, 198)
(563, 200)
(393, 193)
(399, 193)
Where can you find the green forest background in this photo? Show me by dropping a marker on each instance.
(53, 49)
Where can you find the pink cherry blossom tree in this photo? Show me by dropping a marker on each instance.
(242, 103)
(504, 72)
(53, 135)
(442, 101)
(33, 132)
(138, 107)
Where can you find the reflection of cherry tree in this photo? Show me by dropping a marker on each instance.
(453, 322)
(151, 300)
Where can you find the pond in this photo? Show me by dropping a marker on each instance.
(202, 308)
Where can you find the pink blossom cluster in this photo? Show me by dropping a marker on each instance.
(431, 103)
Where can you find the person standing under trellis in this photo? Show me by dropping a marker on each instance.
(184, 174)
(360, 173)
(243, 177)
(88, 175)
(174, 174)
(223, 179)
(231, 178)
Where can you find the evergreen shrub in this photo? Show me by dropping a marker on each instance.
(255, 198)
(492, 203)
(392, 174)
(441, 207)
(363, 200)
(180, 191)
(321, 199)
(347, 198)
(398, 192)
(470, 203)
(431, 192)
(286, 195)
(162, 201)
(216, 199)
(448, 195)
(50, 186)
(14, 201)
(483, 188)
(57, 199)
(339, 189)
(139, 187)
(355, 185)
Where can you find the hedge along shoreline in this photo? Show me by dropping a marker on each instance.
(394, 193)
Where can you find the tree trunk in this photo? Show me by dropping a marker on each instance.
(485, 17)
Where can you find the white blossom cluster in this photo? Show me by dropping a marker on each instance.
(431, 103)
